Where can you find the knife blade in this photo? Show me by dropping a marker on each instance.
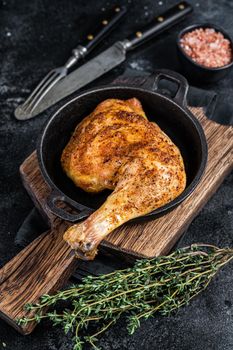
(88, 72)
(110, 58)
(104, 27)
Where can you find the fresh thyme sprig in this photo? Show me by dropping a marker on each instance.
(162, 284)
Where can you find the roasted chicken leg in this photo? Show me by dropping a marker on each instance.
(117, 148)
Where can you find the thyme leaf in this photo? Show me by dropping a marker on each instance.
(159, 285)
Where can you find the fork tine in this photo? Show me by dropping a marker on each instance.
(48, 86)
(38, 87)
(40, 97)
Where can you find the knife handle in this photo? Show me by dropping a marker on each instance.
(96, 36)
(161, 23)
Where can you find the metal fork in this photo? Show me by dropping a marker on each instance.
(25, 110)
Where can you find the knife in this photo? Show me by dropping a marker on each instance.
(110, 58)
(104, 27)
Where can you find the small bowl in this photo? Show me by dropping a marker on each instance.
(196, 72)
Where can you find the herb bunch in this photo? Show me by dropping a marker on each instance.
(161, 284)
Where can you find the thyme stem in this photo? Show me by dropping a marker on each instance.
(161, 284)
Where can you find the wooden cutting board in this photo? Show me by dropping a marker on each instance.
(46, 264)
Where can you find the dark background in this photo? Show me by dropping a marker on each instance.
(38, 35)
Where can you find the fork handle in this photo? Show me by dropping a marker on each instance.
(106, 24)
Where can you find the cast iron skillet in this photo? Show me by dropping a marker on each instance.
(172, 115)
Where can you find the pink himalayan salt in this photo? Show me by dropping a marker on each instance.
(207, 47)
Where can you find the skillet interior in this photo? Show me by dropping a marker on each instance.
(177, 123)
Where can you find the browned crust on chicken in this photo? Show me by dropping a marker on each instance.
(117, 148)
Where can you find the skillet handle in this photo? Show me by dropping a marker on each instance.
(54, 198)
(152, 83)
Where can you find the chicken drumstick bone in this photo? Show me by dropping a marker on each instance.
(117, 148)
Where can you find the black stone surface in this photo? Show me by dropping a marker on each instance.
(38, 35)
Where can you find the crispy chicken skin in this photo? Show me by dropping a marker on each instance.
(117, 148)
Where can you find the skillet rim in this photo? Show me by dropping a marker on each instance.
(159, 211)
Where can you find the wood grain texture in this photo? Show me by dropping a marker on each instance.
(156, 237)
(46, 263)
(40, 268)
